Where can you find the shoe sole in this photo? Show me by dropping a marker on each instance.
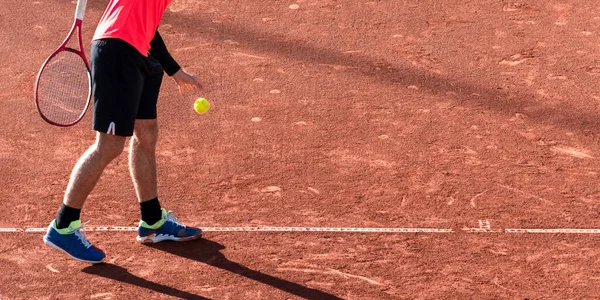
(49, 243)
(153, 238)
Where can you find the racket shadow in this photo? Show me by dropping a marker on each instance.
(209, 252)
(121, 274)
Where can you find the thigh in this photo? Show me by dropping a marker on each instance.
(118, 73)
(150, 91)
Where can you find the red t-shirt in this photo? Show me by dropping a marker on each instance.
(134, 21)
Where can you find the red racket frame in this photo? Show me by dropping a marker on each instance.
(63, 47)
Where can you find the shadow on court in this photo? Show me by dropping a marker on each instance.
(399, 73)
(393, 73)
(121, 274)
(208, 252)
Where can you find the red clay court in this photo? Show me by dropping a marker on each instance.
(410, 149)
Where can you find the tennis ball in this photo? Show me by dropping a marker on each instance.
(201, 105)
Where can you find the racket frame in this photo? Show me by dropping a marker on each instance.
(79, 12)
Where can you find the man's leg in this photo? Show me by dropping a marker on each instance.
(64, 232)
(86, 174)
(142, 166)
(90, 166)
(142, 159)
(157, 224)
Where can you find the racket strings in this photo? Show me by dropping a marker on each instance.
(63, 88)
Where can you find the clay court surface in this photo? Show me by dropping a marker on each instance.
(422, 114)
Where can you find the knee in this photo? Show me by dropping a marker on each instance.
(145, 134)
(109, 147)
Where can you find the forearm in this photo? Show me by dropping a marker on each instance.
(158, 50)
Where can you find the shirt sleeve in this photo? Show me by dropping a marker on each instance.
(158, 50)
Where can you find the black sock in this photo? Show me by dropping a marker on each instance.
(151, 212)
(66, 215)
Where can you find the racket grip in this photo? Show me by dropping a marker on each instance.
(80, 9)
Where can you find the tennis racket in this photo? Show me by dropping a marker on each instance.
(63, 87)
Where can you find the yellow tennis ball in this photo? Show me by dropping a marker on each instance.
(201, 105)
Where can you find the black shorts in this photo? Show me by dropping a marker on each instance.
(125, 86)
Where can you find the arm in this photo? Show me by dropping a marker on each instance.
(158, 50)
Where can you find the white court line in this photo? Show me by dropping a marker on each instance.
(255, 229)
(555, 230)
(484, 228)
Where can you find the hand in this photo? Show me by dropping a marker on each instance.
(186, 81)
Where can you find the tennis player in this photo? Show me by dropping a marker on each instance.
(128, 59)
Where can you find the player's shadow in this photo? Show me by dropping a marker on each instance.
(209, 252)
(121, 274)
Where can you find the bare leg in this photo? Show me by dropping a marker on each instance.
(89, 168)
(142, 159)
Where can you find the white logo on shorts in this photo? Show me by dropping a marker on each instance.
(111, 128)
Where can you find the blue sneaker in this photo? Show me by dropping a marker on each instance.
(167, 229)
(71, 241)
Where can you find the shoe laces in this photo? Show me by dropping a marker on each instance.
(79, 233)
(172, 218)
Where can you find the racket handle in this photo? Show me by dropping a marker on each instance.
(80, 9)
